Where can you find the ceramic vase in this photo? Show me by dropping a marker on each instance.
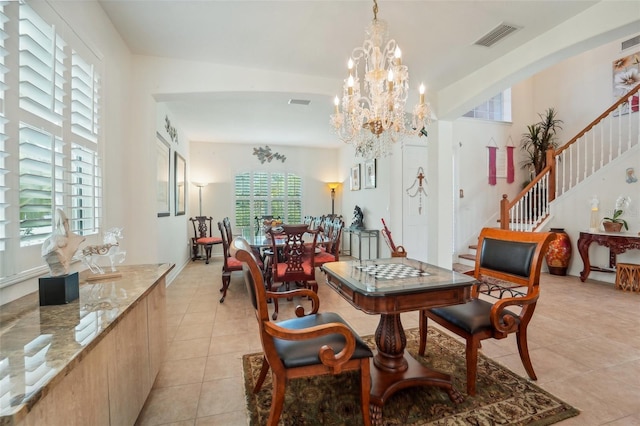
(559, 253)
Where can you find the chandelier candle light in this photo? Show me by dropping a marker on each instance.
(373, 120)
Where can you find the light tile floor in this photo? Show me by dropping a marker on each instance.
(584, 341)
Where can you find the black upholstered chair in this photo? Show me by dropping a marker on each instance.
(308, 345)
(508, 270)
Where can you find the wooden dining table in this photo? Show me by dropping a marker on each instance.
(388, 287)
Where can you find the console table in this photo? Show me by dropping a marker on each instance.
(368, 234)
(92, 361)
(617, 243)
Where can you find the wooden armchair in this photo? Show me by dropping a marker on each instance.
(202, 237)
(505, 261)
(308, 345)
(293, 258)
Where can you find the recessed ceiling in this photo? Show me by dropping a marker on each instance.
(315, 38)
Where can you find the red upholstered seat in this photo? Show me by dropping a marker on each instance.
(230, 264)
(209, 240)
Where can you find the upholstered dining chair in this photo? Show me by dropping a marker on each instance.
(230, 264)
(330, 250)
(202, 237)
(293, 258)
(307, 345)
(507, 268)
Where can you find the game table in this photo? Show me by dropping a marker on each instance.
(388, 287)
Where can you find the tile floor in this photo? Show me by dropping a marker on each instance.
(584, 341)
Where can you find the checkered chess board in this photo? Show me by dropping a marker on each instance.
(392, 271)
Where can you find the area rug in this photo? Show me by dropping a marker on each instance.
(502, 398)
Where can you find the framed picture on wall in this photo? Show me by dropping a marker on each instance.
(163, 154)
(370, 174)
(355, 178)
(180, 184)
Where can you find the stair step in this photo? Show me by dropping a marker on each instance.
(473, 247)
(470, 257)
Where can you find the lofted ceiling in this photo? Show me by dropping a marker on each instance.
(315, 38)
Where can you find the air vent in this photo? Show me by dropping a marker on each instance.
(299, 102)
(631, 42)
(496, 34)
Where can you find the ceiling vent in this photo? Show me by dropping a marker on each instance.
(496, 34)
(631, 42)
(299, 102)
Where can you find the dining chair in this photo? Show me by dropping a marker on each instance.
(230, 264)
(330, 248)
(202, 237)
(293, 258)
(507, 269)
(307, 345)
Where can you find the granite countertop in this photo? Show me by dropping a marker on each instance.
(40, 344)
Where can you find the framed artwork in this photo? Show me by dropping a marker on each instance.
(625, 71)
(163, 153)
(370, 174)
(180, 178)
(355, 178)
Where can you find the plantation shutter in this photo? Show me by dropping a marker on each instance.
(3, 135)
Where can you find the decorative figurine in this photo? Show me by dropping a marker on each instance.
(358, 219)
(110, 248)
(59, 248)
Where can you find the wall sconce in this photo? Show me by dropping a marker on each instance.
(333, 186)
(200, 185)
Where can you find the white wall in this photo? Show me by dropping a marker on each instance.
(218, 163)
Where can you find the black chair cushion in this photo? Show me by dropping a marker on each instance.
(512, 257)
(298, 353)
(472, 316)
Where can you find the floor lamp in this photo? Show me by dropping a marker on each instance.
(333, 186)
(200, 185)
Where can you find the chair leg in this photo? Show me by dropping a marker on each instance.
(277, 400)
(207, 251)
(365, 390)
(226, 280)
(263, 375)
(523, 348)
(422, 327)
(472, 365)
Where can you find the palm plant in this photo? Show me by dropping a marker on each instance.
(539, 138)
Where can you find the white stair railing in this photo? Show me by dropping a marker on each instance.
(609, 136)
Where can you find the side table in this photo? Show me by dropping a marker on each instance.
(371, 235)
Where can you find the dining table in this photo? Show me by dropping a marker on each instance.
(389, 287)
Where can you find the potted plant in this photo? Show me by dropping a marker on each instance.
(539, 138)
(615, 223)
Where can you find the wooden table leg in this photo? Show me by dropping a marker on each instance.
(393, 369)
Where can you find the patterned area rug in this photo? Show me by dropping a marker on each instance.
(503, 398)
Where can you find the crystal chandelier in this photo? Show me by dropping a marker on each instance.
(373, 120)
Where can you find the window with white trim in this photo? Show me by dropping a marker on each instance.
(498, 108)
(258, 194)
(50, 104)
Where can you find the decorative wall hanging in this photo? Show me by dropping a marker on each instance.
(492, 161)
(510, 166)
(163, 152)
(626, 75)
(414, 191)
(173, 133)
(265, 154)
(180, 178)
(370, 174)
(355, 178)
(631, 175)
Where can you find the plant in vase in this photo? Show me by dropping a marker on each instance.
(615, 223)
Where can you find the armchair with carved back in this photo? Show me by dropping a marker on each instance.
(202, 237)
(507, 267)
(311, 344)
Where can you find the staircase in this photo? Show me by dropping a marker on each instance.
(606, 138)
(612, 134)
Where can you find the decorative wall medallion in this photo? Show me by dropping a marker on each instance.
(265, 154)
(173, 133)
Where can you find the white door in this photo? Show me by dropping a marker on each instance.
(414, 202)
